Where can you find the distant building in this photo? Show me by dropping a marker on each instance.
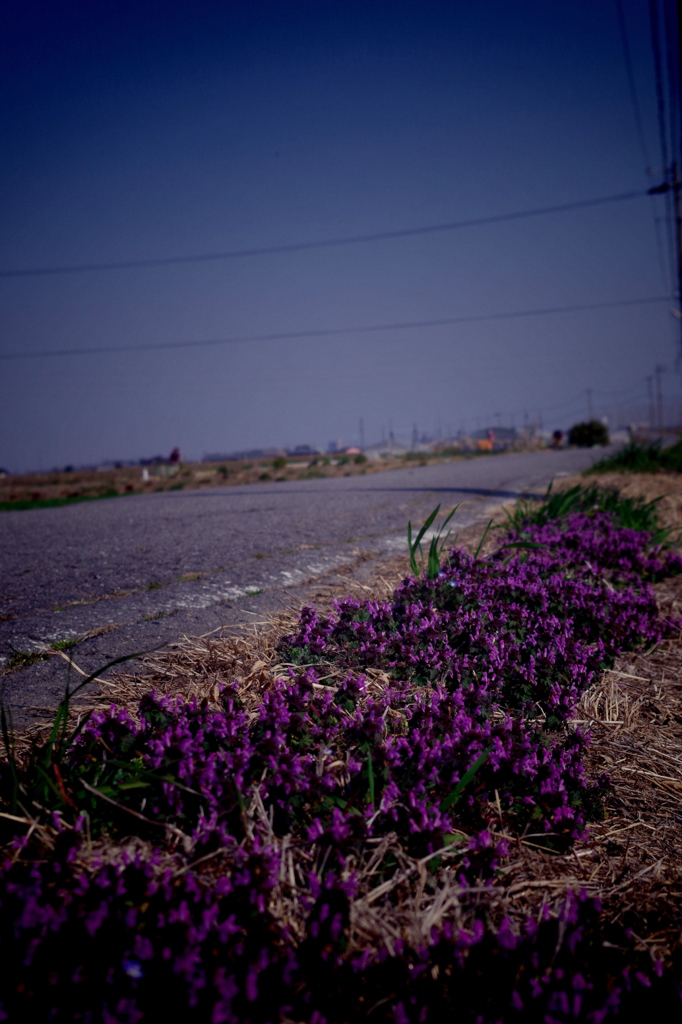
(246, 456)
(302, 449)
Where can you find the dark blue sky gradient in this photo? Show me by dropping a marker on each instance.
(142, 130)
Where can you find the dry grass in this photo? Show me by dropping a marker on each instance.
(632, 860)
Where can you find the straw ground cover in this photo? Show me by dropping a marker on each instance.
(399, 813)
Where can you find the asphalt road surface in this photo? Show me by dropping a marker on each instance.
(143, 570)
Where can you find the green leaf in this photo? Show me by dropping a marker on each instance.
(483, 537)
(370, 777)
(454, 796)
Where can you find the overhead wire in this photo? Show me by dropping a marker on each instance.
(658, 74)
(673, 28)
(673, 80)
(324, 243)
(330, 332)
(634, 99)
(641, 136)
(672, 76)
(679, 76)
(662, 129)
(578, 398)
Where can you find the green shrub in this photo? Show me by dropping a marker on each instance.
(279, 463)
(585, 435)
(642, 458)
(627, 513)
(359, 460)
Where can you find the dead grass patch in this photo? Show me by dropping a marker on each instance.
(631, 861)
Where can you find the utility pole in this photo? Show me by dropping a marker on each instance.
(678, 212)
(362, 433)
(659, 396)
(674, 185)
(590, 411)
(650, 390)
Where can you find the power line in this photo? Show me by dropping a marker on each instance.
(662, 127)
(660, 94)
(326, 243)
(673, 76)
(631, 84)
(641, 135)
(330, 332)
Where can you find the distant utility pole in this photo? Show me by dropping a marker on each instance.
(678, 209)
(659, 396)
(362, 433)
(590, 411)
(674, 185)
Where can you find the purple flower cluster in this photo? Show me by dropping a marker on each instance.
(438, 719)
(341, 765)
(530, 628)
(133, 943)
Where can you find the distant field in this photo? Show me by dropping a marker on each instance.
(47, 490)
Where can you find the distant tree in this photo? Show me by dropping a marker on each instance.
(585, 435)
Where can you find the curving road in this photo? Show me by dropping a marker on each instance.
(143, 570)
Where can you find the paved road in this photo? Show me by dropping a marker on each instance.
(149, 568)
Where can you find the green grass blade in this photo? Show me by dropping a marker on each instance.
(426, 525)
(433, 563)
(370, 777)
(454, 796)
(483, 537)
(10, 752)
(449, 517)
(413, 548)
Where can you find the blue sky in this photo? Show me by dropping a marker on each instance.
(142, 130)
